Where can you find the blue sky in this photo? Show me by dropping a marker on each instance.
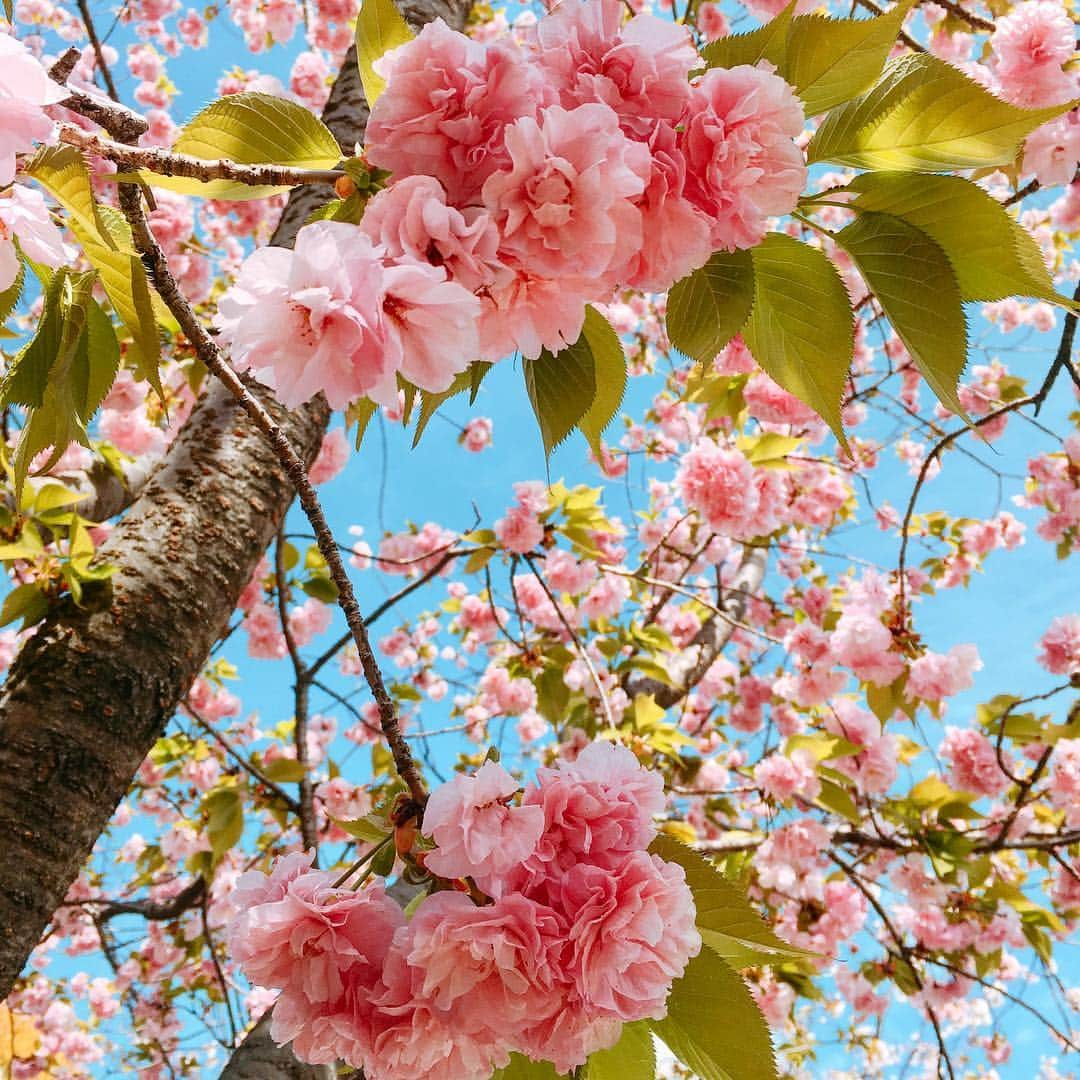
(389, 484)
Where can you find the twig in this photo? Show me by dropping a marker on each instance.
(301, 686)
(1062, 358)
(119, 121)
(95, 44)
(248, 766)
(208, 352)
(168, 163)
(609, 717)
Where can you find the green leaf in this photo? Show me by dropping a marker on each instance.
(225, 819)
(106, 239)
(284, 771)
(833, 797)
(320, 587)
(925, 115)
(801, 329)
(521, 1068)
(915, 284)
(726, 919)
(994, 257)
(830, 61)
(10, 296)
(710, 306)
(633, 1057)
(362, 412)
(561, 388)
(713, 1025)
(430, 403)
(768, 42)
(379, 28)
(609, 366)
(251, 129)
(26, 602)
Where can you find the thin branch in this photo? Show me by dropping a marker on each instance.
(1063, 357)
(168, 163)
(609, 717)
(208, 352)
(99, 54)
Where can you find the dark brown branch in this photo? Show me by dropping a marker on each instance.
(99, 53)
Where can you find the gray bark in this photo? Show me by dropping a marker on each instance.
(260, 1058)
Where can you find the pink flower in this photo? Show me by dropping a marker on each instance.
(1065, 775)
(564, 205)
(632, 935)
(570, 1035)
(717, 482)
(597, 808)
(434, 323)
(863, 643)
(934, 676)
(1029, 47)
(478, 834)
(311, 319)
(1061, 646)
(784, 778)
(25, 87)
(476, 435)
(519, 531)
(1052, 152)
(265, 639)
(772, 404)
(974, 762)
(25, 217)
(639, 69)
(343, 800)
(531, 313)
(676, 238)
(410, 219)
(495, 969)
(308, 620)
(332, 457)
(445, 108)
(742, 161)
(711, 21)
(416, 1040)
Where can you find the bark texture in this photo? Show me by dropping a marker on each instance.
(260, 1058)
(93, 689)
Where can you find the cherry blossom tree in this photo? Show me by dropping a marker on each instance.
(687, 791)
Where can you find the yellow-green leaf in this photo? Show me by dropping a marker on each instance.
(801, 329)
(251, 129)
(710, 306)
(830, 61)
(609, 367)
(633, 1057)
(379, 28)
(768, 42)
(925, 115)
(914, 282)
(521, 1068)
(713, 1025)
(992, 254)
(726, 919)
(562, 389)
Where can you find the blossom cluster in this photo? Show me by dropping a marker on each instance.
(526, 181)
(551, 925)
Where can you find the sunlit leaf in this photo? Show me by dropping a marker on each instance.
(925, 115)
(993, 256)
(914, 282)
(379, 28)
(609, 373)
(768, 42)
(801, 329)
(633, 1057)
(710, 306)
(713, 1025)
(830, 61)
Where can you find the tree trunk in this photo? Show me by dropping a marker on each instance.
(92, 690)
(260, 1058)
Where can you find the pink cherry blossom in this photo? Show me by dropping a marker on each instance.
(632, 935)
(519, 531)
(564, 204)
(784, 778)
(25, 88)
(742, 162)
(412, 219)
(446, 106)
(934, 676)
(597, 808)
(717, 482)
(1052, 152)
(974, 762)
(863, 643)
(25, 217)
(477, 832)
(476, 435)
(312, 319)
(639, 69)
(1061, 646)
(332, 457)
(1029, 45)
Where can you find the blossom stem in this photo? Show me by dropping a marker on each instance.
(366, 857)
(168, 163)
(208, 352)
